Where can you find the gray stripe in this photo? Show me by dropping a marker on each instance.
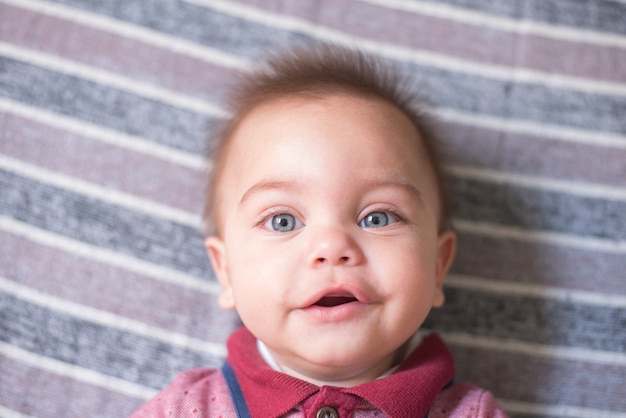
(94, 222)
(540, 321)
(541, 380)
(531, 262)
(527, 102)
(81, 343)
(180, 247)
(188, 20)
(197, 24)
(103, 105)
(601, 16)
(540, 210)
(185, 130)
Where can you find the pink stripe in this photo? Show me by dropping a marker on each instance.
(471, 42)
(57, 396)
(546, 381)
(175, 71)
(527, 154)
(540, 264)
(104, 287)
(183, 188)
(112, 167)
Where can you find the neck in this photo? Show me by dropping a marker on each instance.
(332, 378)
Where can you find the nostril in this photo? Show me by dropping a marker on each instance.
(340, 260)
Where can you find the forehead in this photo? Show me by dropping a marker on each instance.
(294, 114)
(285, 136)
(328, 123)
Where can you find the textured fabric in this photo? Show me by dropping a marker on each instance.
(234, 389)
(194, 393)
(411, 388)
(106, 293)
(415, 389)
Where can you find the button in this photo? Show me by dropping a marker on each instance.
(327, 412)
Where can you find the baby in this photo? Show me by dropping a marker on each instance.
(331, 237)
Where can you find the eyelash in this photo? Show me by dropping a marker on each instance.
(392, 217)
(388, 210)
(267, 215)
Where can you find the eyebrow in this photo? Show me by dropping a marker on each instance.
(401, 183)
(282, 185)
(268, 185)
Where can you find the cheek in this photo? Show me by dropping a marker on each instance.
(407, 267)
(257, 275)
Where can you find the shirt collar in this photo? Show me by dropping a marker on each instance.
(269, 359)
(417, 380)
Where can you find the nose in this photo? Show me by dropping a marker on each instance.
(334, 247)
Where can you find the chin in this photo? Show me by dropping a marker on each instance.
(339, 365)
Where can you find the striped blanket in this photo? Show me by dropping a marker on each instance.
(105, 290)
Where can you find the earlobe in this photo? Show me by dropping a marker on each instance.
(217, 254)
(445, 255)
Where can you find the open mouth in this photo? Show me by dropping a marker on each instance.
(331, 301)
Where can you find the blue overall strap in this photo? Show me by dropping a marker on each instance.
(235, 391)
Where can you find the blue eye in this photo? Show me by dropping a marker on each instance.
(377, 220)
(282, 222)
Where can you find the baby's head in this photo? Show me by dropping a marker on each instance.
(311, 73)
(331, 221)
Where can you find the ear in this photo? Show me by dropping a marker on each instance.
(217, 253)
(445, 255)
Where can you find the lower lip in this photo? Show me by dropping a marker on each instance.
(337, 313)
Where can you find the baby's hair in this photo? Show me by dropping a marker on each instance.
(318, 71)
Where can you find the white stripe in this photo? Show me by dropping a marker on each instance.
(535, 350)
(203, 107)
(102, 134)
(486, 285)
(521, 27)
(93, 190)
(174, 156)
(495, 123)
(190, 219)
(177, 278)
(517, 407)
(126, 324)
(593, 190)
(131, 31)
(606, 300)
(9, 413)
(137, 144)
(106, 257)
(165, 212)
(419, 56)
(300, 25)
(79, 374)
(540, 130)
(553, 238)
(111, 79)
(110, 320)
(127, 388)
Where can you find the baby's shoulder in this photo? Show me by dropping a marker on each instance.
(196, 392)
(466, 400)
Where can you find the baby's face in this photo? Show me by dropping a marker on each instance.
(330, 249)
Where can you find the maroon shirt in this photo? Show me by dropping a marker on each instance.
(415, 388)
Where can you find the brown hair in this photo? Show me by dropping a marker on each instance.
(317, 71)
